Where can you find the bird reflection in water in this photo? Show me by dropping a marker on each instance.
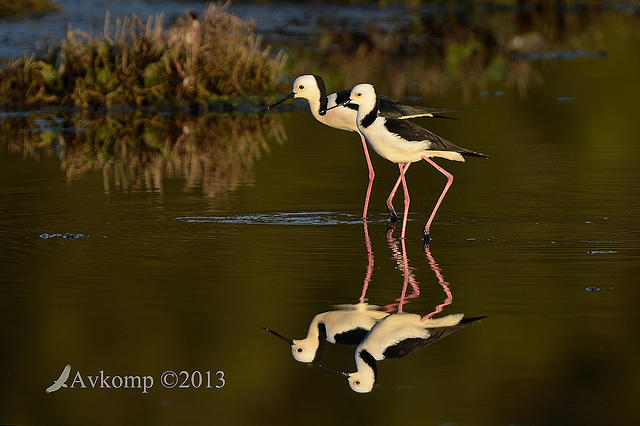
(348, 324)
(403, 333)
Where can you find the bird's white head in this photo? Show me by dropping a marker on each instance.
(363, 95)
(361, 381)
(304, 350)
(309, 87)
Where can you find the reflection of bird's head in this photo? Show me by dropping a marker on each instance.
(305, 350)
(361, 381)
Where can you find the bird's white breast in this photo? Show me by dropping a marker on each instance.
(342, 118)
(338, 322)
(391, 146)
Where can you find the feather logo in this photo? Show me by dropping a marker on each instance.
(61, 382)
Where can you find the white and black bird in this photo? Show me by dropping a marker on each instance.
(347, 325)
(403, 142)
(397, 336)
(334, 111)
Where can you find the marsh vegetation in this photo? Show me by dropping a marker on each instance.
(135, 62)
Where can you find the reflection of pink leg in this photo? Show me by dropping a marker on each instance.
(408, 278)
(390, 209)
(372, 175)
(444, 284)
(402, 262)
(367, 276)
(402, 301)
(407, 200)
(449, 176)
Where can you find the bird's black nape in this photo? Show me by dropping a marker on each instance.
(322, 337)
(371, 362)
(371, 117)
(323, 94)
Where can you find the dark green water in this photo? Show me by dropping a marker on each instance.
(521, 238)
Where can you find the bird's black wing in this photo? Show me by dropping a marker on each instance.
(390, 109)
(413, 344)
(351, 337)
(414, 133)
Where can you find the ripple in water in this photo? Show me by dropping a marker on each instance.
(283, 218)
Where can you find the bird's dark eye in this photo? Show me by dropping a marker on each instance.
(357, 382)
(299, 349)
(301, 87)
(359, 94)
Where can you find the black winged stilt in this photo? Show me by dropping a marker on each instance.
(348, 324)
(403, 142)
(402, 333)
(333, 111)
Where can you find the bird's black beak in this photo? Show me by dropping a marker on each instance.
(278, 335)
(336, 106)
(286, 98)
(342, 373)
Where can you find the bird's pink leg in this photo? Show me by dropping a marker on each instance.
(390, 209)
(407, 200)
(372, 175)
(449, 176)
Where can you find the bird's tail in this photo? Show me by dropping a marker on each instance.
(446, 321)
(469, 153)
(442, 332)
(469, 321)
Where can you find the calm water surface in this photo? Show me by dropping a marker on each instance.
(249, 222)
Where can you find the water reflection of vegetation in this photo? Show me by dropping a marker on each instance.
(137, 152)
(466, 45)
